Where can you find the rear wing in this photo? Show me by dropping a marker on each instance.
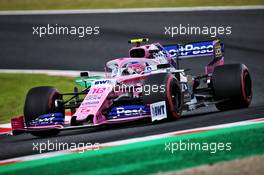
(198, 49)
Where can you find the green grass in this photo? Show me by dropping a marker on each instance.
(149, 157)
(101, 4)
(14, 87)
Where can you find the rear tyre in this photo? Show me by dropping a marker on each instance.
(168, 90)
(39, 101)
(232, 84)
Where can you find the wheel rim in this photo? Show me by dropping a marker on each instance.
(247, 86)
(175, 96)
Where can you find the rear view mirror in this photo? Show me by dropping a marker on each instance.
(84, 74)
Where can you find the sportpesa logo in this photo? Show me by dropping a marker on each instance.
(190, 49)
(128, 111)
(121, 111)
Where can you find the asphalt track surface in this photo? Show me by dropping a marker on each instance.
(19, 49)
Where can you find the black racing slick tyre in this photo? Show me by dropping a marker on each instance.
(232, 84)
(167, 89)
(41, 100)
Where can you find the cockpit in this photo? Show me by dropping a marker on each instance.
(130, 66)
(141, 59)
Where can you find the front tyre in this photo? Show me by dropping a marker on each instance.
(40, 101)
(167, 89)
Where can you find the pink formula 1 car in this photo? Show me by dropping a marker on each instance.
(148, 84)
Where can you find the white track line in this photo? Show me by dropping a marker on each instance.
(7, 125)
(202, 129)
(67, 73)
(134, 140)
(131, 10)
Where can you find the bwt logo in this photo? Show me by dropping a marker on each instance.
(158, 110)
(120, 111)
(102, 82)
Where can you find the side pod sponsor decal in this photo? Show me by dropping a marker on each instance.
(128, 111)
(158, 111)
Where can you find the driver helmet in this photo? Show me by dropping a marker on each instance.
(152, 50)
(136, 68)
